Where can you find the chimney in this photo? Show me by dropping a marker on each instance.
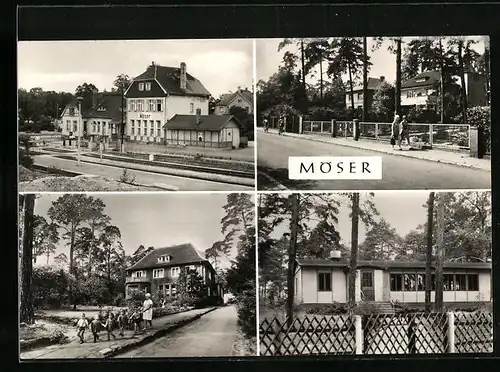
(239, 89)
(183, 76)
(335, 255)
(94, 96)
(382, 78)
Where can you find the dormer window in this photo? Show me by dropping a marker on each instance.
(148, 86)
(421, 80)
(141, 86)
(164, 259)
(101, 109)
(72, 111)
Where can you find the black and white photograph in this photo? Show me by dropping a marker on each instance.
(421, 104)
(136, 115)
(120, 275)
(345, 274)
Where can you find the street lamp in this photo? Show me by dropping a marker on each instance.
(79, 99)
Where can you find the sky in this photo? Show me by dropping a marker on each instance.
(384, 62)
(157, 220)
(403, 210)
(221, 65)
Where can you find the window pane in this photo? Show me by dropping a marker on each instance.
(448, 282)
(460, 284)
(324, 282)
(473, 282)
(420, 282)
(396, 282)
(366, 280)
(410, 282)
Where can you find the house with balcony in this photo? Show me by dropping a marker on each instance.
(423, 90)
(157, 95)
(100, 117)
(158, 272)
(372, 86)
(241, 98)
(324, 281)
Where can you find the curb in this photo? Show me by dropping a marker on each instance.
(387, 152)
(112, 352)
(279, 186)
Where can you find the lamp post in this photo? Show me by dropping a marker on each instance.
(79, 99)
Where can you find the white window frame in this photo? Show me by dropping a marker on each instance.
(191, 108)
(175, 271)
(159, 105)
(140, 105)
(158, 273)
(133, 105)
(158, 128)
(141, 87)
(163, 259)
(152, 105)
(148, 86)
(139, 274)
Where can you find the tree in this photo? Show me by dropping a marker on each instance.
(61, 259)
(85, 90)
(382, 242)
(365, 80)
(428, 266)
(300, 43)
(292, 252)
(316, 51)
(212, 104)
(440, 220)
(111, 250)
(353, 262)
(244, 118)
(122, 82)
(27, 313)
(139, 254)
(45, 236)
(215, 252)
(347, 57)
(383, 104)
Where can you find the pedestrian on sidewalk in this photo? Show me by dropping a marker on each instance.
(395, 132)
(404, 133)
(110, 325)
(147, 311)
(123, 321)
(82, 325)
(95, 327)
(136, 319)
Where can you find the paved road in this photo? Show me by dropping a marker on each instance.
(142, 177)
(398, 172)
(212, 335)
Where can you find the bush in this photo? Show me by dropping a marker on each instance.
(330, 309)
(136, 298)
(366, 308)
(480, 116)
(247, 317)
(50, 288)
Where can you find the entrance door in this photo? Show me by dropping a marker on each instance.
(368, 293)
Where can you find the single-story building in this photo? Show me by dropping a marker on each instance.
(326, 281)
(203, 130)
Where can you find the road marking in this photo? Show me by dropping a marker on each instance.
(279, 185)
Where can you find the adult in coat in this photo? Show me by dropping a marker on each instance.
(147, 311)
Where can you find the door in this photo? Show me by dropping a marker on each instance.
(367, 290)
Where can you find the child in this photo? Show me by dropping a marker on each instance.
(136, 319)
(95, 327)
(82, 325)
(110, 325)
(123, 321)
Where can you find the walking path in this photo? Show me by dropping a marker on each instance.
(434, 155)
(106, 349)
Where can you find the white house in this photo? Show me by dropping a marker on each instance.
(422, 90)
(157, 95)
(241, 98)
(100, 117)
(326, 281)
(372, 86)
(203, 130)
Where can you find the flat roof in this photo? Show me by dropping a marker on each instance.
(386, 265)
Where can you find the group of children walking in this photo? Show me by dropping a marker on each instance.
(126, 320)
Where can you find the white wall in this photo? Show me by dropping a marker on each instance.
(415, 100)
(243, 104)
(485, 286)
(309, 286)
(182, 105)
(231, 133)
(298, 286)
(378, 284)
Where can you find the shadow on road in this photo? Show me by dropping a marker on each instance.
(280, 175)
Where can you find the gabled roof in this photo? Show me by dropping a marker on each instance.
(169, 79)
(423, 79)
(212, 123)
(384, 265)
(109, 101)
(227, 98)
(373, 84)
(180, 254)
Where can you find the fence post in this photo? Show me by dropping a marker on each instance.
(451, 332)
(358, 326)
(431, 134)
(321, 127)
(355, 129)
(376, 131)
(334, 128)
(301, 128)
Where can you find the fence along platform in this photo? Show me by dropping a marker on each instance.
(414, 333)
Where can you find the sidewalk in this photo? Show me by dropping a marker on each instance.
(106, 349)
(434, 155)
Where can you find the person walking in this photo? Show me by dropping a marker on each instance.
(266, 126)
(95, 327)
(404, 133)
(147, 311)
(110, 325)
(395, 132)
(82, 325)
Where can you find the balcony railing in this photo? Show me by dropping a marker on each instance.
(133, 279)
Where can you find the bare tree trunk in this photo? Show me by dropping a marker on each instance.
(351, 88)
(428, 266)
(463, 90)
(72, 263)
(365, 80)
(321, 76)
(302, 57)
(91, 249)
(26, 313)
(354, 248)
(398, 77)
(441, 66)
(291, 257)
(439, 252)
